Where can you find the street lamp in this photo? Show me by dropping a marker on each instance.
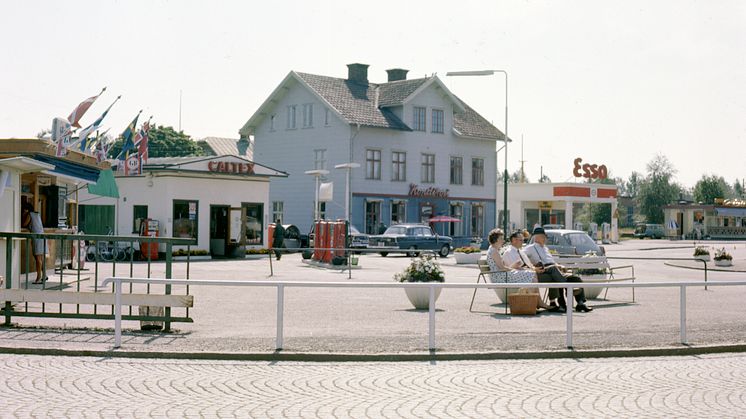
(349, 167)
(317, 174)
(505, 139)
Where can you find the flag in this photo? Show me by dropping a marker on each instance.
(92, 145)
(85, 132)
(127, 143)
(142, 142)
(61, 133)
(81, 109)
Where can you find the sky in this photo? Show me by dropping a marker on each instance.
(612, 82)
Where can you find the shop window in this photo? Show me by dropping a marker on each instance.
(418, 118)
(398, 212)
(319, 159)
(139, 214)
(373, 164)
(428, 168)
(457, 170)
(254, 222)
(477, 171)
(457, 211)
(477, 220)
(308, 115)
(185, 218)
(399, 166)
(437, 121)
(372, 216)
(278, 211)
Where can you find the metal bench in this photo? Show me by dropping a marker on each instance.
(484, 270)
(582, 266)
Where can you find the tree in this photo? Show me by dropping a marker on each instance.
(657, 189)
(545, 179)
(738, 189)
(632, 185)
(165, 142)
(710, 187)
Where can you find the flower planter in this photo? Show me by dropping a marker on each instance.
(706, 258)
(501, 293)
(420, 297)
(592, 293)
(724, 262)
(467, 258)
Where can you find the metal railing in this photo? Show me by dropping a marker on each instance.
(63, 264)
(431, 286)
(663, 259)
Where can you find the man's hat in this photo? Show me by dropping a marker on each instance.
(539, 230)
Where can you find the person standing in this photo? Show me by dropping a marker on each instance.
(278, 241)
(31, 220)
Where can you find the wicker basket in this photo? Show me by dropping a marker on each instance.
(523, 303)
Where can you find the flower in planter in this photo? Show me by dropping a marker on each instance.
(702, 251)
(722, 255)
(422, 269)
(467, 250)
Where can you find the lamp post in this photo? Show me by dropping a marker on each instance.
(317, 174)
(505, 139)
(349, 167)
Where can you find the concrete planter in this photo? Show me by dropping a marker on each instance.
(724, 262)
(420, 297)
(592, 293)
(467, 258)
(501, 294)
(706, 258)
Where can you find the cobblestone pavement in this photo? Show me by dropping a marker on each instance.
(703, 386)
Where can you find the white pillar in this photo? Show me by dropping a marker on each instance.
(614, 222)
(568, 215)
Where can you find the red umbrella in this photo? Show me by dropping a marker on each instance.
(444, 219)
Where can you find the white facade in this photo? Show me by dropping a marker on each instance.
(197, 180)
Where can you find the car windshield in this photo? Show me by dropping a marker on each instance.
(396, 230)
(581, 239)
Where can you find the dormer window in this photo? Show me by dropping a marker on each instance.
(419, 118)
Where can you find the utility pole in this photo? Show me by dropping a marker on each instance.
(523, 174)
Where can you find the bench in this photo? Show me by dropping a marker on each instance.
(587, 266)
(484, 270)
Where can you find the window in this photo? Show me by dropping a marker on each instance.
(398, 166)
(319, 159)
(477, 171)
(254, 222)
(277, 211)
(372, 217)
(457, 211)
(308, 115)
(477, 220)
(326, 117)
(291, 117)
(139, 214)
(428, 168)
(322, 210)
(438, 121)
(398, 212)
(185, 218)
(457, 170)
(373, 164)
(418, 120)
(272, 122)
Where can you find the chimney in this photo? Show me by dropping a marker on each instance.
(396, 74)
(357, 73)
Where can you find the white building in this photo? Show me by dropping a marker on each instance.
(199, 197)
(423, 152)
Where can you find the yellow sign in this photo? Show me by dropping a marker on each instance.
(545, 205)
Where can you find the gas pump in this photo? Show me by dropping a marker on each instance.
(149, 228)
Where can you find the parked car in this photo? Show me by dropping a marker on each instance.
(571, 242)
(411, 237)
(553, 226)
(652, 231)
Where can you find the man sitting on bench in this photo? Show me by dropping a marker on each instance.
(550, 271)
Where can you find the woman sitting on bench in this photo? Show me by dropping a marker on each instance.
(500, 273)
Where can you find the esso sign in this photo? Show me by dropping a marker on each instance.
(589, 171)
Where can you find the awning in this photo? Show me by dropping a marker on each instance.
(106, 185)
(69, 169)
(24, 164)
(730, 212)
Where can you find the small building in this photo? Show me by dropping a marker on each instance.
(205, 198)
(552, 203)
(726, 219)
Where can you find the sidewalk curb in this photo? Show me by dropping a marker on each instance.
(406, 357)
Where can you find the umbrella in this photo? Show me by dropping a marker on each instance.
(444, 219)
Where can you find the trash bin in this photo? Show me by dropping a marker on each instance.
(151, 311)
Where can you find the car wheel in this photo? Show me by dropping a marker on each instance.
(412, 254)
(444, 251)
(384, 254)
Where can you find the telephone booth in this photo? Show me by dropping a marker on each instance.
(149, 228)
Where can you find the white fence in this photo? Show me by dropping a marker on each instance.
(281, 285)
